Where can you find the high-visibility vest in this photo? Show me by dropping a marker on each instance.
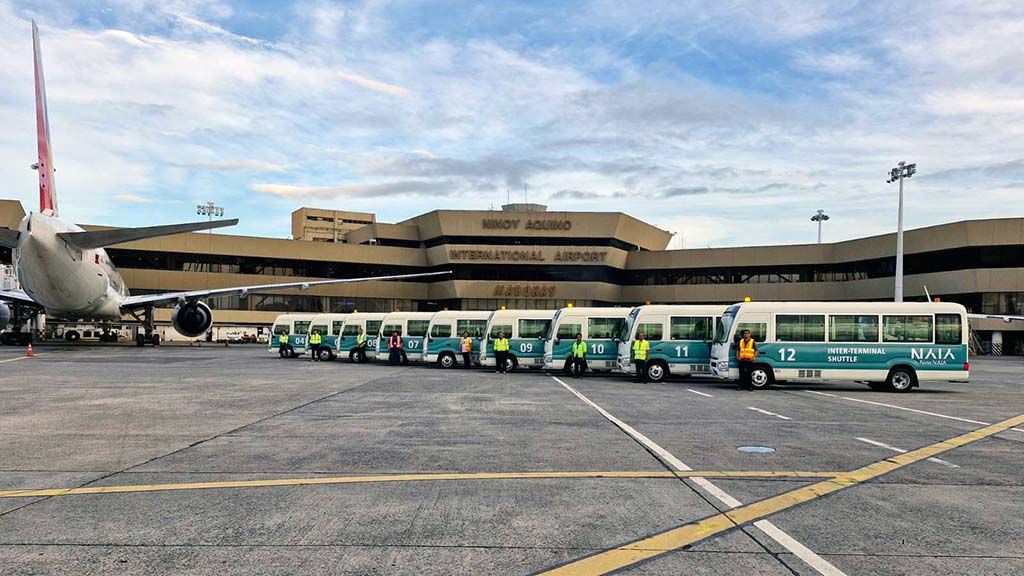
(395, 342)
(640, 348)
(467, 344)
(579, 348)
(360, 340)
(314, 338)
(747, 350)
(501, 345)
(282, 338)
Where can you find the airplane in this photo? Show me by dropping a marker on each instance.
(64, 269)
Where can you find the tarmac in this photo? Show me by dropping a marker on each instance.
(219, 461)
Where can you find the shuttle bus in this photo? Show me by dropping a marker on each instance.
(600, 327)
(526, 331)
(329, 326)
(411, 326)
(293, 328)
(680, 339)
(444, 336)
(369, 323)
(888, 345)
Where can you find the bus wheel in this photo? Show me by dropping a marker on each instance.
(657, 371)
(72, 336)
(353, 357)
(568, 367)
(283, 352)
(140, 340)
(511, 363)
(325, 354)
(761, 377)
(901, 379)
(877, 386)
(446, 360)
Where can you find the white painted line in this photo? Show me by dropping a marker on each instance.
(768, 413)
(895, 407)
(699, 393)
(785, 540)
(18, 358)
(902, 451)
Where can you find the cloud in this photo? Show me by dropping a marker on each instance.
(684, 191)
(833, 62)
(575, 195)
(251, 165)
(356, 190)
(133, 199)
(374, 85)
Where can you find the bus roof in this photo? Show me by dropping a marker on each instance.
(356, 316)
(545, 314)
(292, 317)
(682, 308)
(329, 317)
(463, 314)
(408, 316)
(866, 307)
(592, 310)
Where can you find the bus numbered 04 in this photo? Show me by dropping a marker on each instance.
(887, 345)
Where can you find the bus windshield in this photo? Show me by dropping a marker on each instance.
(725, 325)
(626, 326)
(554, 325)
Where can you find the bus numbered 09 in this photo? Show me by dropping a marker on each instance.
(887, 345)
(526, 331)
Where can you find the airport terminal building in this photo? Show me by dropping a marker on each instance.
(525, 256)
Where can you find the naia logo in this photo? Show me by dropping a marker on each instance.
(930, 354)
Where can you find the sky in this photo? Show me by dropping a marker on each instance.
(727, 122)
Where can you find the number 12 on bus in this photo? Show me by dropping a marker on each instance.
(887, 345)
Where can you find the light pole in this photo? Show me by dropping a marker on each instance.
(209, 209)
(901, 171)
(819, 218)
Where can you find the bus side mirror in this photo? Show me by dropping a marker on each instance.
(557, 340)
(616, 340)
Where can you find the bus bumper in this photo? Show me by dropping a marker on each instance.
(720, 369)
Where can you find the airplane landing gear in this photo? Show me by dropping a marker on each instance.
(149, 335)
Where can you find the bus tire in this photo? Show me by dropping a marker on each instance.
(283, 352)
(72, 336)
(878, 386)
(353, 357)
(511, 363)
(567, 368)
(140, 340)
(761, 377)
(657, 371)
(901, 379)
(156, 340)
(326, 354)
(446, 360)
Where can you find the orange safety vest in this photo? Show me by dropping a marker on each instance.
(467, 344)
(747, 350)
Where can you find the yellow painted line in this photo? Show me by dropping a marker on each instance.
(689, 534)
(24, 493)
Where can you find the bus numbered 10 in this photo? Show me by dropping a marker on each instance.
(886, 345)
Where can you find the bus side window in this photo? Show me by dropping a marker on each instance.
(350, 330)
(652, 331)
(506, 328)
(281, 329)
(301, 327)
(947, 329)
(372, 327)
(568, 331)
(441, 331)
(336, 327)
(758, 330)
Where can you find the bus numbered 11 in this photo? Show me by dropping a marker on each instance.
(887, 345)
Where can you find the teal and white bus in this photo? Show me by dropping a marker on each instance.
(293, 328)
(444, 336)
(600, 327)
(526, 331)
(329, 326)
(411, 326)
(887, 345)
(680, 339)
(369, 323)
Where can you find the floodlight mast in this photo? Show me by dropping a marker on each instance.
(819, 218)
(901, 171)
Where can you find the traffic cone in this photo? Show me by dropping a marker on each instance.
(29, 352)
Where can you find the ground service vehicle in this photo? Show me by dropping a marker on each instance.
(293, 329)
(411, 326)
(680, 339)
(600, 328)
(888, 345)
(444, 336)
(369, 322)
(329, 326)
(526, 331)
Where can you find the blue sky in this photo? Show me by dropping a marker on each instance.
(729, 123)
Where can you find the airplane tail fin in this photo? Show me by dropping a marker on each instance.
(102, 238)
(47, 189)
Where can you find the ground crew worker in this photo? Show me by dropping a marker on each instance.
(466, 347)
(361, 346)
(282, 344)
(314, 345)
(746, 354)
(579, 356)
(501, 352)
(640, 348)
(395, 349)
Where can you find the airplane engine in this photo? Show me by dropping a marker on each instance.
(5, 315)
(192, 318)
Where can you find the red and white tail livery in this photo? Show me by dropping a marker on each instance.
(47, 188)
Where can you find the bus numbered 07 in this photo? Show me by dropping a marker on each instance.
(887, 345)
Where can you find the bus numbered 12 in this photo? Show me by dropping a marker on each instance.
(887, 345)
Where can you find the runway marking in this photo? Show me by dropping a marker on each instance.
(380, 478)
(694, 532)
(771, 530)
(768, 413)
(699, 393)
(902, 451)
(904, 408)
(21, 358)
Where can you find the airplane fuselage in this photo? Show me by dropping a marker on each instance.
(66, 281)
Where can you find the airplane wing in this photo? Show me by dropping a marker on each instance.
(8, 238)
(1004, 317)
(16, 295)
(146, 299)
(101, 238)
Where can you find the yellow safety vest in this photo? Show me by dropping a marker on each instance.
(314, 338)
(579, 349)
(501, 345)
(360, 340)
(467, 344)
(282, 338)
(640, 348)
(747, 351)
